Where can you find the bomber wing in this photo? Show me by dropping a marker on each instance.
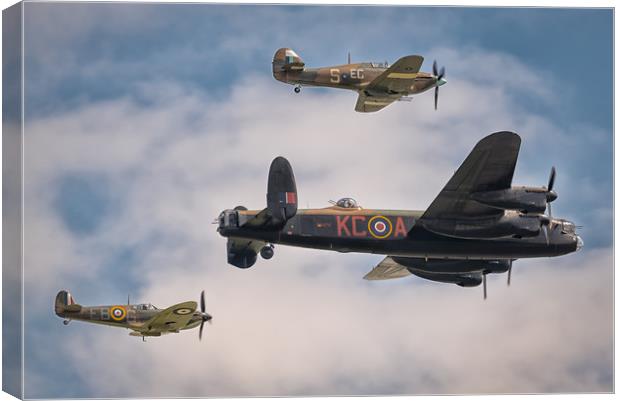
(464, 272)
(490, 166)
(398, 78)
(387, 269)
(170, 319)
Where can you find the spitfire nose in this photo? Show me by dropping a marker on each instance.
(579, 243)
(206, 317)
(441, 81)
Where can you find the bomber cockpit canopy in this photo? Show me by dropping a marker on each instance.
(568, 227)
(347, 203)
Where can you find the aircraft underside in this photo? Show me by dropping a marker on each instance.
(427, 245)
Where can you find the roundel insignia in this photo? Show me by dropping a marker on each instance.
(118, 313)
(380, 227)
(183, 311)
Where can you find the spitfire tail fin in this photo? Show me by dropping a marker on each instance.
(286, 60)
(65, 303)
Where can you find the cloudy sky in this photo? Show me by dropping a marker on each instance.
(144, 121)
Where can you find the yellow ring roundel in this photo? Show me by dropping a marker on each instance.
(380, 227)
(118, 313)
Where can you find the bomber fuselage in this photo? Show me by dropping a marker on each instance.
(392, 232)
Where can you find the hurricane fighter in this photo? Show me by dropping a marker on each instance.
(478, 224)
(144, 320)
(377, 84)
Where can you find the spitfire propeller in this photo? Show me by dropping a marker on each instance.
(204, 315)
(440, 81)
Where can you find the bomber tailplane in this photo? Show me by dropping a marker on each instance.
(281, 197)
(281, 190)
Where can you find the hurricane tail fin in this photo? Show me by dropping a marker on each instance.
(286, 60)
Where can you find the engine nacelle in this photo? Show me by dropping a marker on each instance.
(414, 265)
(463, 280)
(524, 199)
(509, 225)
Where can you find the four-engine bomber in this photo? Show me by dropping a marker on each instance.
(478, 224)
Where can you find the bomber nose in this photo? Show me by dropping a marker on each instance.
(579, 243)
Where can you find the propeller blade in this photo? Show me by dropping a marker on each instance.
(509, 272)
(484, 285)
(200, 332)
(436, 96)
(442, 72)
(551, 225)
(544, 228)
(202, 301)
(435, 67)
(551, 179)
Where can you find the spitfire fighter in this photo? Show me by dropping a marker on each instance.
(478, 224)
(145, 320)
(377, 84)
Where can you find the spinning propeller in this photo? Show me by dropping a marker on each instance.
(204, 315)
(545, 221)
(440, 81)
(551, 195)
(509, 271)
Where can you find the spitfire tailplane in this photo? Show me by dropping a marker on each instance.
(65, 303)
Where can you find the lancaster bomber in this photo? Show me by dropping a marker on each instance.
(143, 319)
(377, 84)
(478, 224)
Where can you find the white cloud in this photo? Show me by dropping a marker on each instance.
(304, 322)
